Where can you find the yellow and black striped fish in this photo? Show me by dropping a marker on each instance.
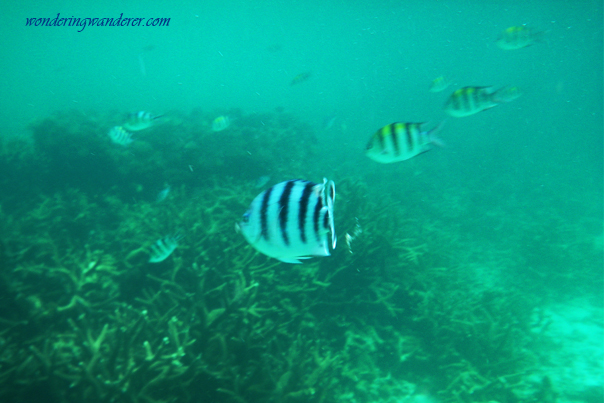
(467, 101)
(140, 120)
(400, 141)
(440, 84)
(518, 37)
(300, 78)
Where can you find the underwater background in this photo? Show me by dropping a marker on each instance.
(472, 272)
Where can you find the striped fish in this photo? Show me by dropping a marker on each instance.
(118, 135)
(518, 37)
(220, 123)
(400, 141)
(467, 101)
(300, 78)
(164, 247)
(291, 220)
(140, 120)
(440, 84)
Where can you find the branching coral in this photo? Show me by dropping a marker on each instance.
(217, 320)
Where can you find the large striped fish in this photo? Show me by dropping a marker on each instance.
(400, 141)
(467, 101)
(291, 220)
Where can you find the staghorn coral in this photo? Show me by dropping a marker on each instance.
(216, 321)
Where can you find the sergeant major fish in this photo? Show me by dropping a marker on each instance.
(140, 121)
(400, 141)
(164, 247)
(291, 220)
(300, 78)
(221, 123)
(467, 101)
(440, 84)
(518, 37)
(118, 135)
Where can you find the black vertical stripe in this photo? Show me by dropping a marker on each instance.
(467, 98)
(381, 133)
(283, 210)
(317, 218)
(326, 220)
(456, 98)
(479, 98)
(393, 129)
(408, 132)
(303, 209)
(263, 213)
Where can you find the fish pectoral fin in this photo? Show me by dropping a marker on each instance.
(291, 260)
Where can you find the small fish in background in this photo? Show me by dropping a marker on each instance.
(329, 121)
(140, 120)
(519, 37)
(220, 123)
(440, 84)
(300, 78)
(261, 181)
(276, 47)
(164, 247)
(357, 232)
(163, 194)
(291, 220)
(400, 141)
(120, 136)
(467, 101)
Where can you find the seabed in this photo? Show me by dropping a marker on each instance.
(413, 312)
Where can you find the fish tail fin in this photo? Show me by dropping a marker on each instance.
(506, 94)
(434, 139)
(541, 36)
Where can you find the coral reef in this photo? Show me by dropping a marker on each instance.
(85, 317)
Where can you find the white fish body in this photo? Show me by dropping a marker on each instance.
(163, 248)
(291, 220)
(118, 135)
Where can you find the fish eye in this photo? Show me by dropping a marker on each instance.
(246, 218)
